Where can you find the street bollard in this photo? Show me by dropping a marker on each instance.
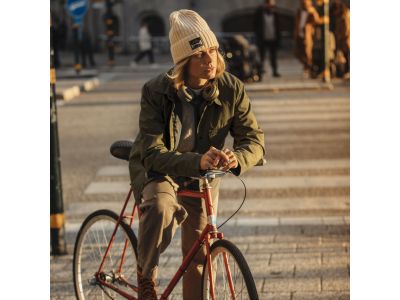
(57, 228)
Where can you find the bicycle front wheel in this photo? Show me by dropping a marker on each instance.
(90, 247)
(231, 275)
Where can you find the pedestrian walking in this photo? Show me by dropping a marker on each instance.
(340, 20)
(185, 117)
(86, 49)
(145, 45)
(63, 33)
(267, 32)
(306, 19)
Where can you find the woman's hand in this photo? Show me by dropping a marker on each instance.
(215, 159)
(232, 161)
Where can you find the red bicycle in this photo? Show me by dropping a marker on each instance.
(105, 253)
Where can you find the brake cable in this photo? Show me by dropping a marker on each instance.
(244, 199)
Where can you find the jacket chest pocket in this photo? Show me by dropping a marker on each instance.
(218, 134)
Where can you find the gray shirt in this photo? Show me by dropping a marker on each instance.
(269, 27)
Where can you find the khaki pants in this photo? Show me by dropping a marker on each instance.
(162, 212)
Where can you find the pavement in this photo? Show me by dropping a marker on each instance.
(294, 227)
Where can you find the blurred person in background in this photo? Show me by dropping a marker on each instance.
(86, 48)
(55, 22)
(267, 32)
(63, 32)
(306, 19)
(340, 26)
(145, 45)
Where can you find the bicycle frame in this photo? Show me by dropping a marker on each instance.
(209, 232)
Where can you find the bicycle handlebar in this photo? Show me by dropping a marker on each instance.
(211, 174)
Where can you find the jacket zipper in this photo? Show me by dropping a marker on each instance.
(201, 118)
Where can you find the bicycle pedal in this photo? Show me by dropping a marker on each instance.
(107, 278)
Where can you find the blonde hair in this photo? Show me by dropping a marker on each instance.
(179, 72)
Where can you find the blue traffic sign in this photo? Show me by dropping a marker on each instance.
(77, 8)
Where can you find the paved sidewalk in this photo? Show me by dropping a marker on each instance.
(298, 260)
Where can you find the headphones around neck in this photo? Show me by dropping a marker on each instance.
(209, 92)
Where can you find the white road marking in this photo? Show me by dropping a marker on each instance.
(73, 227)
(315, 164)
(327, 116)
(231, 183)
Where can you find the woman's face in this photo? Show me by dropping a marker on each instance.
(203, 64)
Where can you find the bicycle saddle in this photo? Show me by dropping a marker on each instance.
(121, 149)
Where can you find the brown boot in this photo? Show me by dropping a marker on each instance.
(147, 290)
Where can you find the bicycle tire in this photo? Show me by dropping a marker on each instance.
(242, 278)
(87, 259)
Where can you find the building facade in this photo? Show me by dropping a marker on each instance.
(223, 16)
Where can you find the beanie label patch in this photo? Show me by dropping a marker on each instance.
(196, 43)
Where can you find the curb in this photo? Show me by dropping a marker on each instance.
(69, 93)
(293, 86)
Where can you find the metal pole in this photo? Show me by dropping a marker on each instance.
(327, 72)
(110, 32)
(57, 230)
(125, 26)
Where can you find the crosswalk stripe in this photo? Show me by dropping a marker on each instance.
(227, 206)
(304, 125)
(287, 182)
(303, 116)
(312, 137)
(270, 166)
(303, 165)
(231, 183)
(73, 227)
(300, 102)
(298, 109)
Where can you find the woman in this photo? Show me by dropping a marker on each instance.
(185, 117)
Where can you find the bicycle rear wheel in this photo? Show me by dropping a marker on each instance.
(230, 273)
(90, 246)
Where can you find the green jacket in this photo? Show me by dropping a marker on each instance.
(155, 146)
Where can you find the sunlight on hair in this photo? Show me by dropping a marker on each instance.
(178, 72)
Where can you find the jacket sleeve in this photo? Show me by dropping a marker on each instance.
(248, 137)
(155, 155)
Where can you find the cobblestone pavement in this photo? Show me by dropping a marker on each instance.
(294, 226)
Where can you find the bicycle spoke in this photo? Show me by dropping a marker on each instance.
(92, 242)
(233, 279)
(106, 243)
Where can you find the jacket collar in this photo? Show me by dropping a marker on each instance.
(165, 87)
(217, 101)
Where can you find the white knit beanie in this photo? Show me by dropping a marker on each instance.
(189, 33)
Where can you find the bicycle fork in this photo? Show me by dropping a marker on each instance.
(212, 222)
